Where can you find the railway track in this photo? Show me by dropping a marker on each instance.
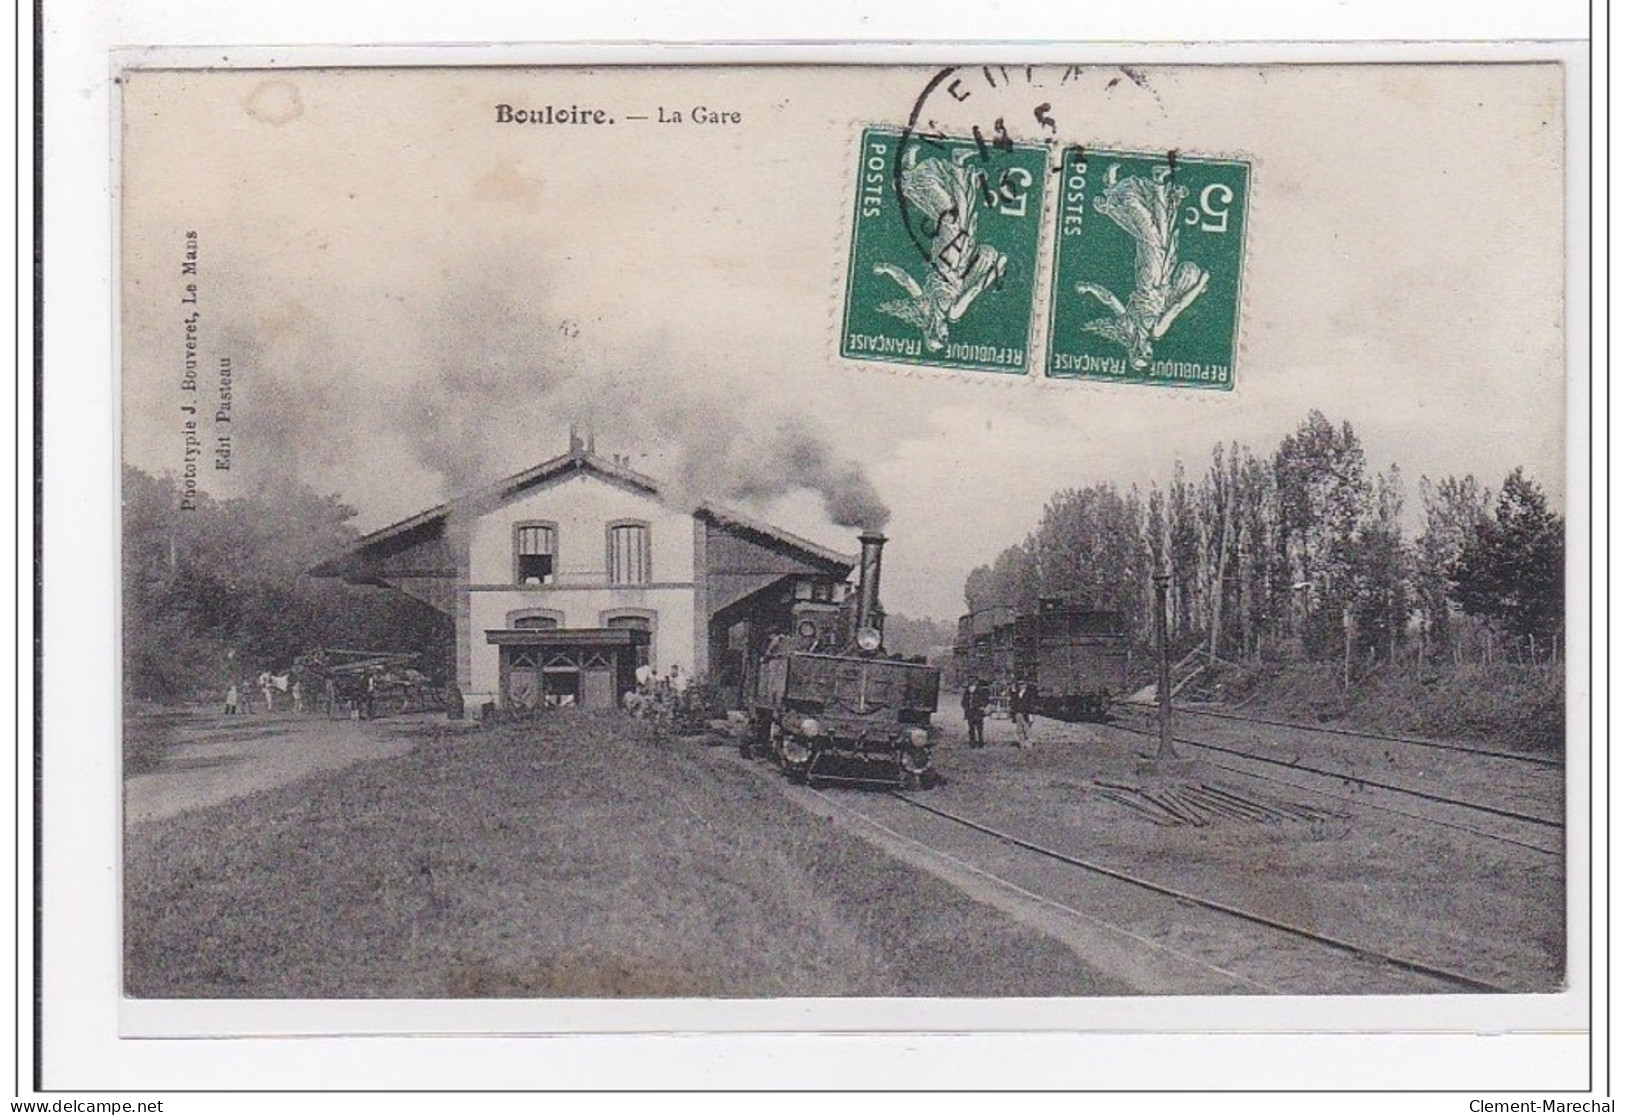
(1501, 838)
(1354, 733)
(1220, 937)
(1349, 777)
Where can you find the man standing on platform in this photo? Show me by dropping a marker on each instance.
(974, 702)
(1021, 712)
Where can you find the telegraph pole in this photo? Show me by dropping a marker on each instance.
(1165, 699)
(1348, 645)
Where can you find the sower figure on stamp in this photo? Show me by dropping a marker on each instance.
(1021, 712)
(974, 702)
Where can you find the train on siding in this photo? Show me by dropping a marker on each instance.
(830, 705)
(1076, 658)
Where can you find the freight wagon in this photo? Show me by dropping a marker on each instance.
(1076, 658)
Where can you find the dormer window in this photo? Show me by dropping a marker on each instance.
(535, 549)
(627, 546)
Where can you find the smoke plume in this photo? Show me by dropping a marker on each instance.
(796, 457)
(475, 374)
(504, 377)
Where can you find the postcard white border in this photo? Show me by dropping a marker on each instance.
(83, 959)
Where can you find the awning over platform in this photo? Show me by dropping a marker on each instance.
(569, 637)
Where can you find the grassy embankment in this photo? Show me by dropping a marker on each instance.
(1516, 707)
(565, 857)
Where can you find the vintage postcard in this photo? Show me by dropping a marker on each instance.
(1036, 542)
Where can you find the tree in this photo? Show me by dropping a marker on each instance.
(1452, 509)
(1258, 585)
(1323, 497)
(1185, 553)
(924, 637)
(1088, 549)
(1382, 600)
(1237, 526)
(216, 590)
(1511, 568)
(1012, 580)
(979, 589)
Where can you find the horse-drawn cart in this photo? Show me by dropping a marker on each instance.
(363, 684)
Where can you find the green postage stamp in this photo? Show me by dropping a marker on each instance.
(1146, 282)
(944, 252)
(1146, 286)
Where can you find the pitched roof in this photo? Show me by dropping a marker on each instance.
(732, 520)
(579, 459)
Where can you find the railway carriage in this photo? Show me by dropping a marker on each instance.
(1077, 658)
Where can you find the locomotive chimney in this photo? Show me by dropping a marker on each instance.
(869, 613)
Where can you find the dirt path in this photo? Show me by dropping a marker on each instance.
(202, 760)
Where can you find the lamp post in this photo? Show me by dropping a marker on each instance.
(1165, 741)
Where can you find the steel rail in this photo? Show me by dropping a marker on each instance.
(1537, 760)
(1414, 966)
(1513, 814)
(1017, 888)
(1345, 799)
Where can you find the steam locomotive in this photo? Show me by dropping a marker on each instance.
(829, 704)
(1076, 658)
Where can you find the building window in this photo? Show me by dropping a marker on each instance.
(634, 622)
(535, 619)
(535, 546)
(628, 546)
(820, 592)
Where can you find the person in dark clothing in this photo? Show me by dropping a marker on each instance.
(1021, 712)
(974, 702)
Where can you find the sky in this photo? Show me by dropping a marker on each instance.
(415, 298)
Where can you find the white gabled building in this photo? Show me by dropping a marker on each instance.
(563, 579)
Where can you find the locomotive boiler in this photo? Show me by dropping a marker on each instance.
(830, 705)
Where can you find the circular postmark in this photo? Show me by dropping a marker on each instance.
(996, 109)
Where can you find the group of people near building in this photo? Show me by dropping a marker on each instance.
(978, 696)
(662, 698)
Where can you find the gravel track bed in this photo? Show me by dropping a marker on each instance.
(1463, 903)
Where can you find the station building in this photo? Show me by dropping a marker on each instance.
(563, 579)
